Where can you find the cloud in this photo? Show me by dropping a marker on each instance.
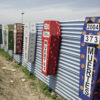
(37, 10)
(62, 14)
(23, 4)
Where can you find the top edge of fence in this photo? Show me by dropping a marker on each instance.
(39, 23)
(71, 22)
(65, 22)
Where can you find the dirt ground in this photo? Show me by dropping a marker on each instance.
(15, 86)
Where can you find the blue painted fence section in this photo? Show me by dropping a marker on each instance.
(89, 88)
(66, 81)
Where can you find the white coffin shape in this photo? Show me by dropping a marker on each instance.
(29, 42)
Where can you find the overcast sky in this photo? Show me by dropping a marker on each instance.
(40, 10)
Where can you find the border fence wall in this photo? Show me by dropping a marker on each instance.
(66, 81)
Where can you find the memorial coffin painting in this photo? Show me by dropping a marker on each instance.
(29, 42)
(10, 37)
(18, 38)
(90, 60)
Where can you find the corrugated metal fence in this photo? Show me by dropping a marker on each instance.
(66, 81)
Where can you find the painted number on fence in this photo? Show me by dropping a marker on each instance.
(45, 55)
(91, 39)
(88, 70)
(92, 27)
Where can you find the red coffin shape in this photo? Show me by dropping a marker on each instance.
(51, 37)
